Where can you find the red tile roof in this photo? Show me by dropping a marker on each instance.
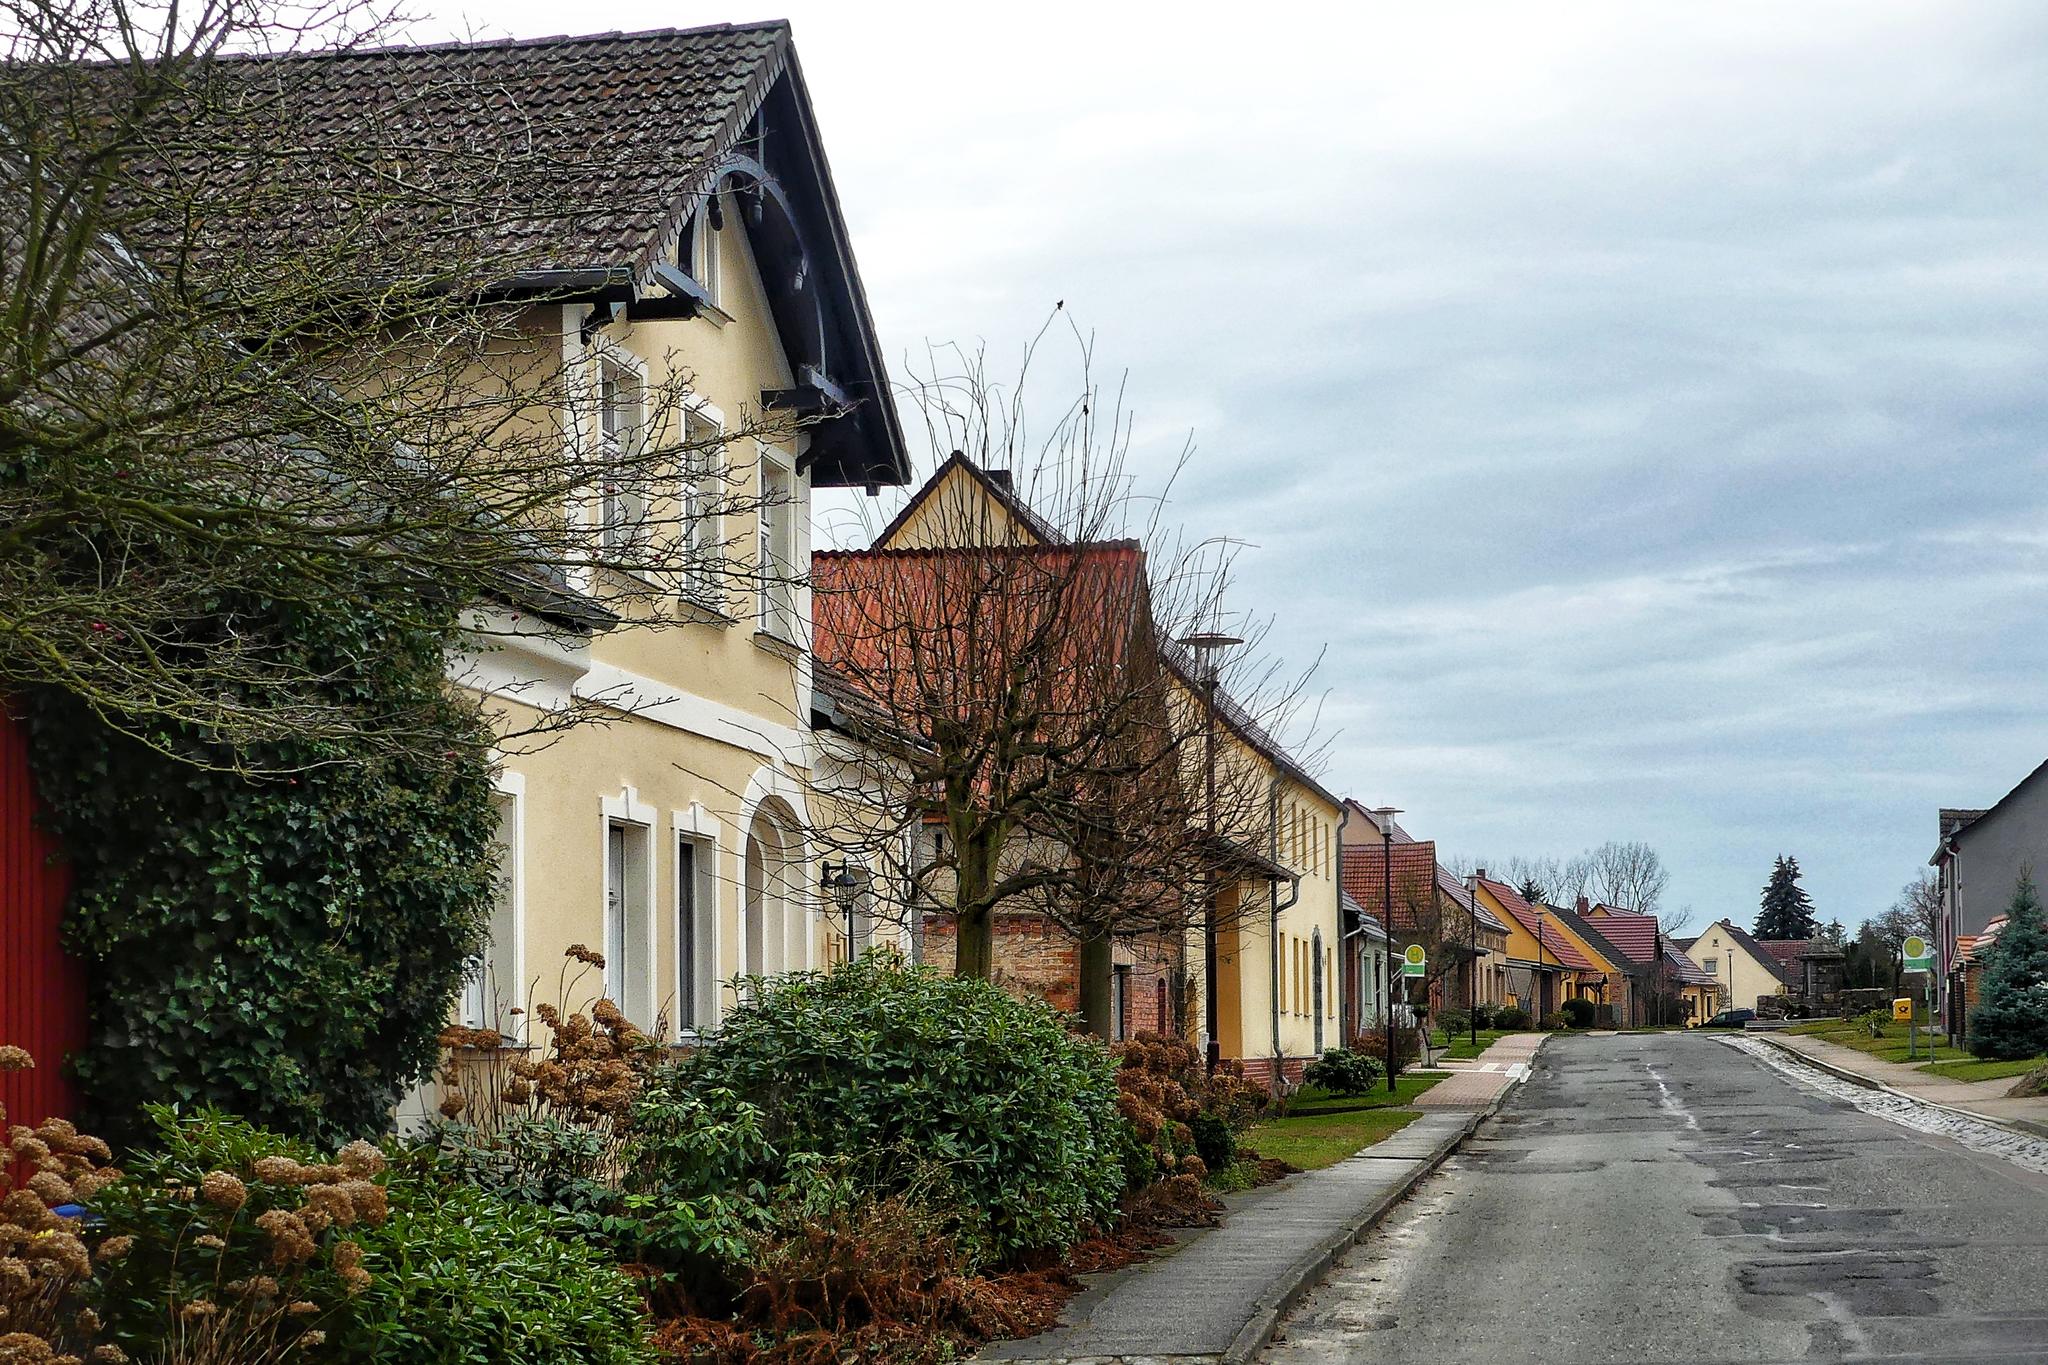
(1635, 935)
(1539, 925)
(1786, 950)
(1364, 870)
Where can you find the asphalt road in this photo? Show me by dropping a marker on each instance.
(1663, 1197)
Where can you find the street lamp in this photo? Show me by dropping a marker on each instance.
(1207, 646)
(843, 883)
(1385, 815)
(1472, 964)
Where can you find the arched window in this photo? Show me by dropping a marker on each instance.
(772, 936)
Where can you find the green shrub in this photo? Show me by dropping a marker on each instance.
(901, 1067)
(1578, 1013)
(1344, 1071)
(1373, 1044)
(1874, 1022)
(1485, 1016)
(2011, 1018)
(1454, 1022)
(458, 1277)
(1555, 1021)
(393, 1267)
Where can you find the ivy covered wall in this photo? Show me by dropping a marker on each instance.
(280, 933)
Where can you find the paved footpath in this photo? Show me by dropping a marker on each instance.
(1660, 1198)
(1216, 1294)
(1475, 1084)
(1979, 1097)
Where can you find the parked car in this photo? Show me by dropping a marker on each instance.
(1730, 1019)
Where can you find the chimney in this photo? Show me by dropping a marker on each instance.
(1481, 874)
(1583, 907)
(1000, 478)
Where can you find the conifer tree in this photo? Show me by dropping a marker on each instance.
(1787, 911)
(2011, 1018)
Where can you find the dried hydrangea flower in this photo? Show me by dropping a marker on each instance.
(224, 1191)
(13, 1058)
(361, 1159)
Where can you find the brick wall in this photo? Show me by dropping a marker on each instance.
(1036, 958)
(1260, 1070)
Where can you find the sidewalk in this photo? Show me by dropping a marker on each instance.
(1217, 1294)
(1986, 1099)
(1476, 1082)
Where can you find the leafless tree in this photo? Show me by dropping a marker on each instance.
(262, 355)
(1054, 738)
(1628, 876)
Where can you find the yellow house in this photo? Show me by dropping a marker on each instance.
(669, 836)
(1544, 966)
(1743, 972)
(1276, 990)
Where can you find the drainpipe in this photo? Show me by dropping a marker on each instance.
(1343, 957)
(1273, 929)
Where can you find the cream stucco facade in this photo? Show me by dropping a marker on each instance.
(1741, 979)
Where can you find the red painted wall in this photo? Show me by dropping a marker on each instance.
(42, 988)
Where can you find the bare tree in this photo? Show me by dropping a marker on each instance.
(263, 355)
(1628, 876)
(1021, 635)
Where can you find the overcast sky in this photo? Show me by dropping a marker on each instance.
(1642, 402)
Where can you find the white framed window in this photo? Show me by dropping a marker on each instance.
(625, 498)
(1711, 966)
(493, 987)
(629, 906)
(776, 559)
(696, 930)
(700, 493)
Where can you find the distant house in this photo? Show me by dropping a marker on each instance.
(1979, 858)
(1744, 968)
(1544, 967)
(1431, 907)
(1657, 966)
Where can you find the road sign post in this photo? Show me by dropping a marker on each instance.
(1919, 956)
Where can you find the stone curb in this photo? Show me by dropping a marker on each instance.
(1872, 1083)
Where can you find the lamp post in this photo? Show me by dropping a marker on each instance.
(1207, 645)
(1472, 964)
(1385, 815)
(842, 882)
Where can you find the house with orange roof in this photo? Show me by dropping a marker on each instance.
(1658, 969)
(1544, 966)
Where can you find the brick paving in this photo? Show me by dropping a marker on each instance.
(1476, 1083)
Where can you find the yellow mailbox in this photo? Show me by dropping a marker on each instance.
(1902, 1010)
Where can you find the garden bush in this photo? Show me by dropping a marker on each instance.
(1373, 1044)
(1555, 1021)
(1578, 1013)
(1484, 1016)
(1875, 1022)
(223, 1242)
(901, 1067)
(1454, 1022)
(1344, 1071)
(1511, 1017)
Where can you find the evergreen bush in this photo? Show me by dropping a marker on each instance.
(1343, 1071)
(2011, 1018)
(902, 1069)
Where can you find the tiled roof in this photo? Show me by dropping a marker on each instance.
(1591, 937)
(1688, 971)
(1555, 946)
(1787, 951)
(1635, 935)
(1364, 873)
(567, 152)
